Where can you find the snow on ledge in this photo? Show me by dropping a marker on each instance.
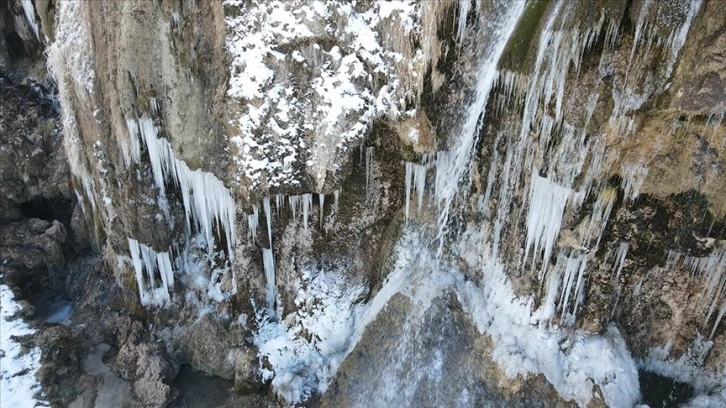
(18, 385)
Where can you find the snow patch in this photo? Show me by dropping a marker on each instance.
(18, 385)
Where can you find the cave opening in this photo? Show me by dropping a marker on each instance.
(47, 209)
(16, 47)
(663, 392)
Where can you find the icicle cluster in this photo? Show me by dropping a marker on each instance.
(206, 200)
(712, 269)
(415, 181)
(145, 259)
(547, 201)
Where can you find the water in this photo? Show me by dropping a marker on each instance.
(56, 311)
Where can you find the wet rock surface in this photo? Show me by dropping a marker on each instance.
(114, 351)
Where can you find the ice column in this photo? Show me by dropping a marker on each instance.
(307, 202)
(547, 201)
(268, 216)
(252, 222)
(268, 262)
(321, 197)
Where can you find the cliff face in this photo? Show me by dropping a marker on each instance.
(306, 195)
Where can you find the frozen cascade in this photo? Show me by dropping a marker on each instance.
(70, 60)
(336, 199)
(369, 162)
(146, 259)
(600, 215)
(415, 181)
(454, 165)
(268, 217)
(547, 201)
(205, 198)
(252, 223)
(131, 151)
(464, 7)
(574, 270)
(268, 263)
(29, 11)
(567, 360)
(307, 202)
(321, 197)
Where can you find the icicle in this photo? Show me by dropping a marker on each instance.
(336, 197)
(30, 16)
(138, 268)
(144, 258)
(415, 180)
(409, 176)
(369, 162)
(132, 151)
(574, 272)
(294, 203)
(154, 107)
(279, 202)
(252, 222)
(633, 178)
(620, 255)
(321, 197)
(307, 202)
(419, 183)
(204, 196)
(546, 206)
(268, 216)
(268, 263)
(464, 7)
(600, 215)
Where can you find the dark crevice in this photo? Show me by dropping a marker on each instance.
(663, 392)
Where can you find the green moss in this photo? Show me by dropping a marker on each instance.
(516, 52)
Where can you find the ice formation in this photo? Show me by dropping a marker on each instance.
(70, 60)
(268, 263)
(415, 181)
(206, 200)
(152, 290)
(321, 198)
(268, 217)
(620, 255)
(547, 201)
(307, 203)
(252, 222)
(29, 11)
(336, 199)
(712, 269)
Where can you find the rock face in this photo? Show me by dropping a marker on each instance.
(415, 203)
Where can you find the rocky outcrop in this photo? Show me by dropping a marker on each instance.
(298, 194)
